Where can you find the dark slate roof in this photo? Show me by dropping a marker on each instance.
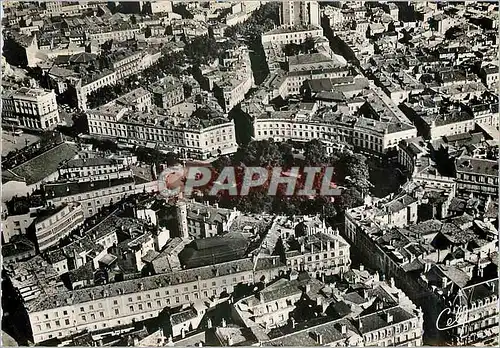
(378, 320)
(183, 316)
(45, 164)
(132, 286)
(72, 188)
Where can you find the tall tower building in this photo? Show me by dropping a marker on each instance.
(181, 210)
(293, 12)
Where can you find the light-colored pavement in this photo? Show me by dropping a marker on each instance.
(11, 142)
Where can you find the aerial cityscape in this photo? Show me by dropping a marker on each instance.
(250, 173)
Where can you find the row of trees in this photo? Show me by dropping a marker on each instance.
(350, 173)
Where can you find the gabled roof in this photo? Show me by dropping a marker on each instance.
(40, 167)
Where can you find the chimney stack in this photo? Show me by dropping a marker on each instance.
(308, 288)
(389, 318)
(319, 338)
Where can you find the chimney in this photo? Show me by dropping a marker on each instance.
(343, 328)
(308, 288)
(329, 245)
(361, 267)
(392, 282)
(209, 323)
(389, 318)
(223, 323)
(293, 323)
(302, 248)
(183, 332)
(230, 340)
(365, 294)
(319, 339)
(318, 301)
(444, 282)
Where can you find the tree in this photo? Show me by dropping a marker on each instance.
(350, 197)
(315, 153)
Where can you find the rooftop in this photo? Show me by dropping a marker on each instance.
(40, 167)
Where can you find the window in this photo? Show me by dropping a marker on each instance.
(84, 318)
(91, 307)
(117, 311)
(140, 306)
(65, 312)
(130, 299)
(92, 316)
(115, 302)
(66, 321)
(58, 323)
(101, 314)
(131, 308)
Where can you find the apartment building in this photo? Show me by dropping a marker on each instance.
(52, 225)
(204, 221)
(138, 99)
(310, 245)
(81, 169)
(272, 306)
(490, 76)
(123, 32)
(395, 250)
(299, 13)
(199, 137)
(124, 62)
(373, 136)
(31, 108)
(122, 65)
(117, 304)
(93, 195)
(310, 67)
(81, 87)
(231, 90)
(167, 92)
(476, 175)
(284, 35)
(481, 311)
